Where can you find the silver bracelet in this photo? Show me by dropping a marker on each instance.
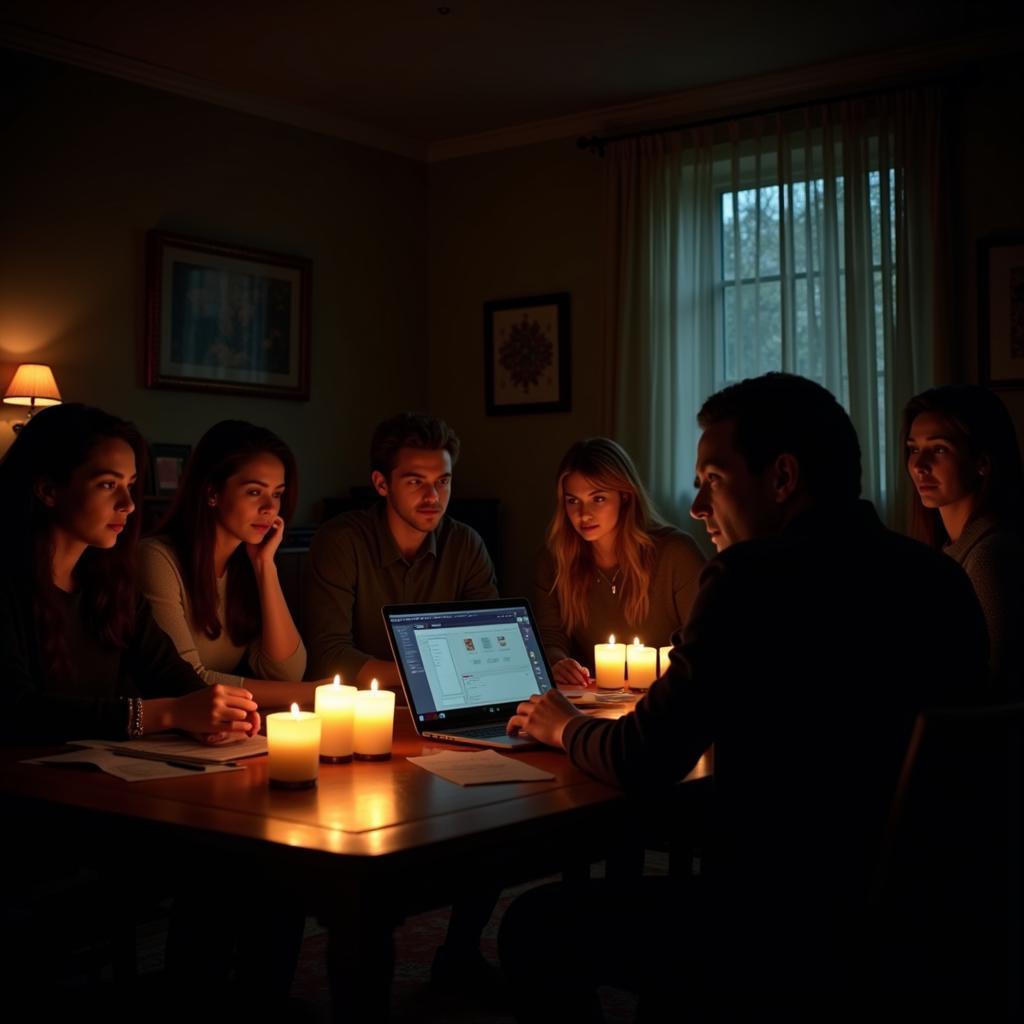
(135, 726)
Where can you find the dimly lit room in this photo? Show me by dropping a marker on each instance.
(512, 511)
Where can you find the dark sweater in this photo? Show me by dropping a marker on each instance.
(805, 661)
(91, 704)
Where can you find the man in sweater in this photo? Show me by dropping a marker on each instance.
(816, 638)
(404, 550)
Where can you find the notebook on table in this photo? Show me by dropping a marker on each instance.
(465, 666)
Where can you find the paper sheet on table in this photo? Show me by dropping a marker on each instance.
(181, 748)
(587, 699)
(479, 768)
(131, 769)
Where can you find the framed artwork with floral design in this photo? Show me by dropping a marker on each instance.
(526, 355)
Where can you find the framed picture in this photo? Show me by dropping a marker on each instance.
(166, 464)
(526, 355)
(220, 318)
(1001, 311)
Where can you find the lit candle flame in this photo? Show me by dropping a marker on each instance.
(636, 642)
(373, 684)
(337, 680)
(611, 639)
(295, 711)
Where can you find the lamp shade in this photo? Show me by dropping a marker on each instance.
(32, 385)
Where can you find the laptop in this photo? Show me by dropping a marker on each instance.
(465, 666)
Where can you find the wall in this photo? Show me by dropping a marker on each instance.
(504, 225)
(988, 148)
(91, 163)
(532, 220)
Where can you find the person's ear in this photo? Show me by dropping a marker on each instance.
(380, 483)
(46, 492)
(211, 498)
(785, 477)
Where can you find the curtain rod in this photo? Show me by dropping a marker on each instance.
(597, 143)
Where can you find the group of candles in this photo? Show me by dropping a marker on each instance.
(611, 661)
(345, 723)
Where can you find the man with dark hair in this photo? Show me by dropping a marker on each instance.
(402, 551)
(816, 638)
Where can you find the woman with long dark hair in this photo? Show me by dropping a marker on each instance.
(210, 574)
(82, 655)
(611, 564)
(965, 464)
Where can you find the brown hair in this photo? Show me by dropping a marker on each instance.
(191, 526)
(607, 464)
(52, 445)
(783, 412)
(410, 430)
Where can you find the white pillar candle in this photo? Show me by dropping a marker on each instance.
(293, 744)
(610, 664)
(374, 723)
(663, 653)
(643, 665)
(335, 704)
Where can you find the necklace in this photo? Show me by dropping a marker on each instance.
(613, 582)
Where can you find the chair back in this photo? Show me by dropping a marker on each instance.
(947, 893)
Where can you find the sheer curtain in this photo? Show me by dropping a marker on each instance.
(803, 241)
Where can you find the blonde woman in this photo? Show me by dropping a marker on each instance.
(611, 565)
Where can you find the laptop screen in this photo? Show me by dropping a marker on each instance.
(467, 661)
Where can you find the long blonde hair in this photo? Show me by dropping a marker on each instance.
(607, 465)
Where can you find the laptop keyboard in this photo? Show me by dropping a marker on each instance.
(483, 732)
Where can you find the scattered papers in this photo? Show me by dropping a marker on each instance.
(479, 768)
(131, 769)
(180, 748)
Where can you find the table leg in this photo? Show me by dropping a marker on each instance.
(361, 961)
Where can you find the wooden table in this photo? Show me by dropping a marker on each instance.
(372, 835)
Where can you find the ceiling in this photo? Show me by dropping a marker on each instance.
(413, 73)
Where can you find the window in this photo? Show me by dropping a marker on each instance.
(800, 240)
(779, 305)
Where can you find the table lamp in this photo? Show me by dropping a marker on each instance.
(32, 385)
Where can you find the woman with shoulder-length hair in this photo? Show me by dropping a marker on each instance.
(611, 565)
(965, 464)
(210, 574)
(82, 655)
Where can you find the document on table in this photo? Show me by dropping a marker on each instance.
(479, 768)
(589, 699)
(172, 747)
(131, 768)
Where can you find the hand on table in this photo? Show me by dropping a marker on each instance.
(543, 718)
(568, 672)
(227, 712)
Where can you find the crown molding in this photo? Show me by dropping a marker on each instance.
(154, 76)
(814, 81)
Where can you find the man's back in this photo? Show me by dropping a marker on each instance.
(805, 662)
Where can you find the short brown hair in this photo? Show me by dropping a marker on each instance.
(782, 412)
(410, 430)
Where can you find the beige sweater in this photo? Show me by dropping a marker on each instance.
(216, 661)
(673, 589)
